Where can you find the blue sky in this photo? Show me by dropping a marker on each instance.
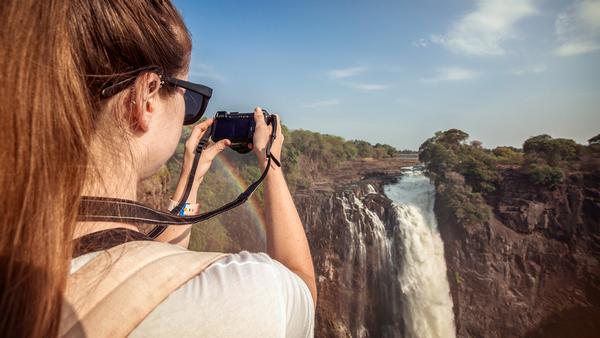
(397, 71)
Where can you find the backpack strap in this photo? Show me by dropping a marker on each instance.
(116, 290)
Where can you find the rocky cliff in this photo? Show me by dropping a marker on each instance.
(533, 270)
(349, 221)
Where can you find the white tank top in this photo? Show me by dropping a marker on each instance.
(241, 295)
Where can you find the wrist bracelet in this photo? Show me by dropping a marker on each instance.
(188, 208)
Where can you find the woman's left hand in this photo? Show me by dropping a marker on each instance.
(182, 233)
(208, 153)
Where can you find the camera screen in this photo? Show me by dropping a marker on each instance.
(232, 129)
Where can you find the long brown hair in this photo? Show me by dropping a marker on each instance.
(56, 56)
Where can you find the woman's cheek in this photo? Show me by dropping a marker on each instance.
(163, 144)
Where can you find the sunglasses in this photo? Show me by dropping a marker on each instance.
(196, 96)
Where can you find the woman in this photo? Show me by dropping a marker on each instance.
(64, 137)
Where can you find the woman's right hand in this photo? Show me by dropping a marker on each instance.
(286, 239)
(262, 135)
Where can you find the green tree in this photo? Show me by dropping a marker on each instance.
(461, 171)
(453, 137)
(594, 140)
(551, 150)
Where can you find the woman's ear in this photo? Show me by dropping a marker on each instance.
(144, 100)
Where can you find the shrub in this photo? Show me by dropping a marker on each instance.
(508, 155)
(479, 168)
(465, 206)
(545, 175)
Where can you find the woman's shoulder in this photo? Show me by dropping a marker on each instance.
(241, 294)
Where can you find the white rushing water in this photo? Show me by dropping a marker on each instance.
(427, 304)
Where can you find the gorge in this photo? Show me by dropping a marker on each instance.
(530, 271)
(487, 245)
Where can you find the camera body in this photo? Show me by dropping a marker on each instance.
(236, 127)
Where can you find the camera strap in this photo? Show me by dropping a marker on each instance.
(105, 209)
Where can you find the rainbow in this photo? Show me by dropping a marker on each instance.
(253, 207)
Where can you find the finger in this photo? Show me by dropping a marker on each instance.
(199, 129)
(205, 124)
(278, 118)
(259, 118)
(250, 146)
(214, 149)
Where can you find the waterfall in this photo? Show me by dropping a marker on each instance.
(381, 264)
(426, 301)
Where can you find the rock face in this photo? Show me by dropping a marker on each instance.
(349, 224)
(354, 265)
(533, 270)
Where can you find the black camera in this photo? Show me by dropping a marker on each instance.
(236, 127)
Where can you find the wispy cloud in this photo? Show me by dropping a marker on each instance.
(577, 29)
(483, 31)
(369, 86)
(577, 48)
(422, 43)
(452, 74)
(346, 72)
(344, 75)
(205, 71)
(531, 69)
(323, 103)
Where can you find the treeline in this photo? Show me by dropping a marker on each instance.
(308, 155)
(465, 172)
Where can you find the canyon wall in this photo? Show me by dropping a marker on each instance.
(533, 269)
